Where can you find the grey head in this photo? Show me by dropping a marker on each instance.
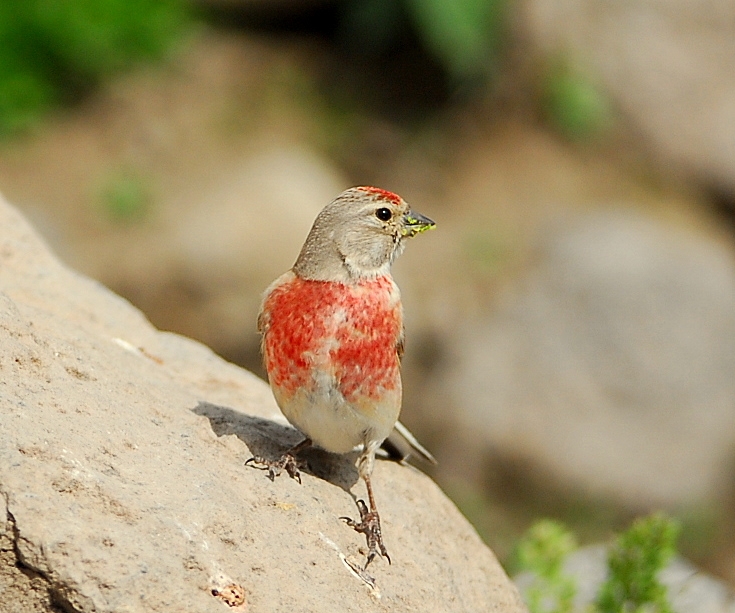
(358, 235)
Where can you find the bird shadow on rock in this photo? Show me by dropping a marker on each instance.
(270, 440)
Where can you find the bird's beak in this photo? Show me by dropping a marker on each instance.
(415, 223)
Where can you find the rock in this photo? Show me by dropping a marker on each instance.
(689, 590)
(669, 66)
(123, 486)
(610, 366)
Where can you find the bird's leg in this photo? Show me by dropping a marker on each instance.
(369, 523)
(286, 462)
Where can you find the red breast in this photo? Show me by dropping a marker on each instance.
(348, 331)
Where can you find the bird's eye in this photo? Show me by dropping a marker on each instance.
(383, 214)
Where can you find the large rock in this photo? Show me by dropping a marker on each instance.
(669, 66)
(610, 366)
(122, 485)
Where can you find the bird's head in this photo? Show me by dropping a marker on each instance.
(358, 235)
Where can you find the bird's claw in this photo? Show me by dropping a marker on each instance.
(369, 525)
(286, 462)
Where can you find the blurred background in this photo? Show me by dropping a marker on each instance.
(571, 322)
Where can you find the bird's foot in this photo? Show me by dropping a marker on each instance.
(369, 525)
(286, 462)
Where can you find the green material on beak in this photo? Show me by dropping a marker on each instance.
(415, 223)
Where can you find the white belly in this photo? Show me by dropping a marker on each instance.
(332, 423)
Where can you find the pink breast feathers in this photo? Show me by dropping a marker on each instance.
(347, 331)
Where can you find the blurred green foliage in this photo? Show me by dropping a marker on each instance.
(126, 196)
(465, 35)
(634, 561)
(52, 50)
(574, 104)
(370, 26)
(542, 551)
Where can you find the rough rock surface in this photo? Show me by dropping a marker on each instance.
(122, 485)
(610, 364)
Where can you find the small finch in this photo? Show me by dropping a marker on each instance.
(332, 341)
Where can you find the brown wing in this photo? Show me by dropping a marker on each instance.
(400, 343)
(263, 321)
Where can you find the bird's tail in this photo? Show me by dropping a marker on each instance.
(401, 445)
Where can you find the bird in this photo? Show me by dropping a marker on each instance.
(333, 337)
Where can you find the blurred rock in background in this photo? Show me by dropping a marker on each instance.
(609, 363)
(668, 66)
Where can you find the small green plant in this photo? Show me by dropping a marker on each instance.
(126, 197)
(634, 561)
(574, 104)
(542, 551)
(464, 35)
